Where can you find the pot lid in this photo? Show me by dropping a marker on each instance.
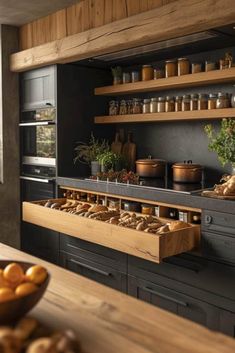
(187, 165)
(150, 161)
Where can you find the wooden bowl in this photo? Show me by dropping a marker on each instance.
(13, 310)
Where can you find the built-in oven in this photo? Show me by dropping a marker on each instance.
(38, 137)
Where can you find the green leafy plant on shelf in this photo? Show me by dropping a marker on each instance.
(109, 160)
(223, 141)
(89, 152)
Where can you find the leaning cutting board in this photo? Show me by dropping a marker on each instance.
(116, 145)
(129, 152)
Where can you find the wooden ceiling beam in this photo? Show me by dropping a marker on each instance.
(176, 19)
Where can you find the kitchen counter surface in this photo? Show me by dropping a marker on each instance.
(109, 321)
(151, 194)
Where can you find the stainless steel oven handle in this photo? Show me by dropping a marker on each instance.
(40, 180)
(38, 123)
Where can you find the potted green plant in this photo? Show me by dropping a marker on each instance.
(223, 141)
(117, 75)
(88, 153)
(109, 161)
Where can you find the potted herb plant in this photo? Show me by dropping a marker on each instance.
(223, 141)
(109, 161)
(117, 75)
(89, 153)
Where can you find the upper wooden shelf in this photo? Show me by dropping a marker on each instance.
(191, 80)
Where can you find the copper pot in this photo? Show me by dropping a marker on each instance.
(187, 172)
(150, 168)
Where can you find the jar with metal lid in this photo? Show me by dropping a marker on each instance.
(158, 73)
(186, 102)
(183, 66)
(129, 107)
(170, 68)
(135, 76)
(178, 103)
(147, 209)
(153, 105)
(137, 106)
(113, 108)
(169, 104)
(146, 106)
(209, 66)
(147, 72)
(161, 104)
(202, 102)
(196, 67)
(126, 77)
(123, 107)
(212, 101)
(222, 101)
(193, 101)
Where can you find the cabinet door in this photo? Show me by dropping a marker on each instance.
(97, 272)
(34, 190)
(178, 303)
(227, 323)
(38, 88)
(40, 242)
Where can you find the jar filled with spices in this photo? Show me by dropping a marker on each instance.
(222, 101)
(183, 66)
(202, 101)
(126, 77)
(113, 108)
(137, 106)
(123, 107)
(160, 105)
(194, 102)
(169, 104)
(170, 68)
(135, 76)
(158, 73)
(146, 106)
(178, 103)
(147, 72)
(153, 105)
(129, 107)
(209, 66)
(196, 67)
(212, 101)
(186, 102)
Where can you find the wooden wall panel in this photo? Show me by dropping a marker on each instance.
(84, 15)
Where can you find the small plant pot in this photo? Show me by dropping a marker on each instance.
(95, 168)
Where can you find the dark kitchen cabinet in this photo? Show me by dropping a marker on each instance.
(227, 323)
(95, 271)
(40, 242)
(37, 190)
(178, 303)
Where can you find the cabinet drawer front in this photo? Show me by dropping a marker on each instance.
(93, 252)
(94, 271)
(218, 247)
(152, 247)
(222, 223)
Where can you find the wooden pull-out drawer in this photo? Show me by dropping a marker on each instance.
(152, 247)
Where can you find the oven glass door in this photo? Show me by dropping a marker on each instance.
(44, 114)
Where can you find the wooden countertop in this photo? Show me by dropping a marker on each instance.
(108, 321)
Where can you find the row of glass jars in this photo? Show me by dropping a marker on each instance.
(170, 104)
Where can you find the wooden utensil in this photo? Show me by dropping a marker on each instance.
(116, 146)
(129, 152)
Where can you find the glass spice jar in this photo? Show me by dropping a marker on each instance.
(135, 76)
(158, 73)
(202, 102)
(186, 103)
(209, 66)
(183, 66)
(146, 106)
(123, 107)
(147, 72)
(153, 105)
(170, 68)
(113, 108)
(222, 101)
(160, 105)
(129, 107)
(178, 103)
(169, 104)
(194, 102)
(196, 67)
(126, 77)
(137, 106)
(212, 101)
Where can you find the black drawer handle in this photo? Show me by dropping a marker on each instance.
(164, 296)
(208, 219)
(104, 273)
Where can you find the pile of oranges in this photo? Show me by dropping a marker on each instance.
(15, 283)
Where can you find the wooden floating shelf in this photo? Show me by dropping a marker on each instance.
(191, 80)
(172, 116)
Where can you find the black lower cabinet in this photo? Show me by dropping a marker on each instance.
(40, 242)
(178, 303)
(95, 271)
(227, 323)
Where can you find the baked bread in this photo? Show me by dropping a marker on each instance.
(97, 208)
(178, 225)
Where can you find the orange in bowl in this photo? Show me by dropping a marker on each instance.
(13, 273)
(6, 294)
(25, 289)
(36, 274)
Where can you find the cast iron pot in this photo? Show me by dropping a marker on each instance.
(150, 168)
(187, 172)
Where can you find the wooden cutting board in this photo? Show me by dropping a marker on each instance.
(129, 153)
(117, 145)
